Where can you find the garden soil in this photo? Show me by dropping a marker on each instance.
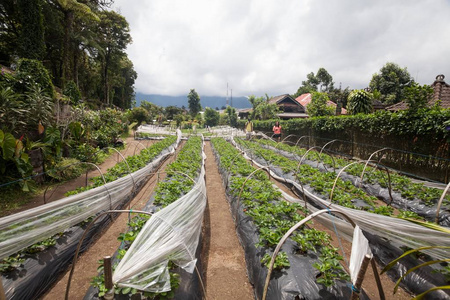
(222, 256)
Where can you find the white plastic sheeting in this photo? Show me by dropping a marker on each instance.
(172, 234)
(398, 231)
(26, 228)
(155, 129)
(360, 248)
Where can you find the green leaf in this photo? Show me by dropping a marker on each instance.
(8, 146)
(126, 290)
(444, 287)
(2, 136)
(392, 263)
(417, 267)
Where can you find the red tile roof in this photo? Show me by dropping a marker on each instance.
(306, 98)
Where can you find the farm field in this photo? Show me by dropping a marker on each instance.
(239, 226)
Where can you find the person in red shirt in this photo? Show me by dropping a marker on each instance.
(277, 131)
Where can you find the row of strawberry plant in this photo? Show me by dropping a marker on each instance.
(345, 193)
(64, 241)
(178, 182)
(400, 183)
(134, 163)
(383, 252)
(273, 217)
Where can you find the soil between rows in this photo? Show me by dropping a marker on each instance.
(224, 270)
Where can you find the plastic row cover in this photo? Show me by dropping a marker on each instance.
(400, 232)
(23, 229)
(171, 234)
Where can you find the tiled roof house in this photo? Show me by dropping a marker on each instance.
(289, 107)
(305, 99)
(441, 91)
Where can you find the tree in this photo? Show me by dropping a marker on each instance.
(178, 119)
(171, 111)
(152, 109)
(318, 106)
(32, 43)
(391, 82)
(359, 101)
(194, 103)
(123, 89)
(232, 117)
(322, 79)
(211, 117)
(114, 36)
(417, 96)
(262, 109)
(139, 115)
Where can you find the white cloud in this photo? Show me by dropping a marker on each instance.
(267, 46)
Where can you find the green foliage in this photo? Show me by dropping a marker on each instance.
(12, 112)
(273, 216)
(39, 108)
(318, 105)
(178, 119)
(194, 103)
(281, 261)
(180, 173)
(139, 115)
(211, 117)
(359, 101)
(66, 169)
(14, 162)
(232, 117)
(30, 73)
(71, 90)
(262, 109)
(322, 80)
(391, 82)
(417, 96)
(31, 37)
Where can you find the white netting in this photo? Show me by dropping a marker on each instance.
(170, 234)
(26, 228)
(398, 231)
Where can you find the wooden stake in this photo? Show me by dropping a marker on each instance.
(2, 291)
(107, 269)
(360, 278)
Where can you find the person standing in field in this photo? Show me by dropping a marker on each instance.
(277, 131)
(248, 128)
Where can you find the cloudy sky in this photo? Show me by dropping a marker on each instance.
(263, 46)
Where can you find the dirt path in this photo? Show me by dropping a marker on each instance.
(222, 255)
(369, 284)
(57, 191)
(107, 244)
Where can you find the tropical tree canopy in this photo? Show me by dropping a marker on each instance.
(318, 106)
(391, 82)
(194, 103)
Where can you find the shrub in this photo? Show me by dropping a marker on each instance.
(31, 72)
(71, 90)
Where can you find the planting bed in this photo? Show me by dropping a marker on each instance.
(182, 174)
(414, 200)
(32, 271)
(308, 266)
(317, 183)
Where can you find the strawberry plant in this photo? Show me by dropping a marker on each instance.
(272, 215)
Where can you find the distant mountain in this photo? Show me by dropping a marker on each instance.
(205, 101)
